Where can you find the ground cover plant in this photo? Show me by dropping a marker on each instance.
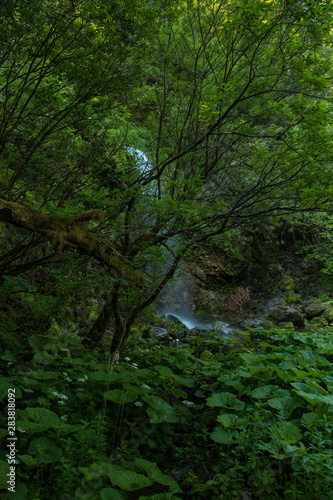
(211, 418)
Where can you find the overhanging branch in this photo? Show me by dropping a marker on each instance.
(69, 233)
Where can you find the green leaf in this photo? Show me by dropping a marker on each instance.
(4, 470)
(29, 460)
(104, 376)
(275, 450)
(111, 494)
(42, 375)
(222, 436)
(286, 403)
(5, 384)
(120, 396)
(43, 416)
(97, 470)
(3, 433)
(250, 358)
(46, 450)
(165, 372)
(312, 419)
(231, 420)
(43, 419)
(159, 410)
(8, 356)
(263, 392)
(38, 342)
(226, 400)
(156, 475)
(129, 481)
(286, 432)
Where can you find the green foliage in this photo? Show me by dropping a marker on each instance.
(246, 412)
(232, 104)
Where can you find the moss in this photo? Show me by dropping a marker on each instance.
(267, 324)
(55, 329)
(293, 299)
(286, 324)
(316, 323)
(67, 232)
(287, 284)
(328, 315)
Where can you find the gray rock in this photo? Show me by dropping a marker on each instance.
(159, 332)
(314, 309)
(277, 301)
(286, 314)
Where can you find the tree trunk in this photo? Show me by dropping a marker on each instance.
(98, 329)
(109, 310)
(122, 331)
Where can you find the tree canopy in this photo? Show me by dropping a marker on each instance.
(229, 100)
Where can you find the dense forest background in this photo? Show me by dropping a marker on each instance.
(156, 153)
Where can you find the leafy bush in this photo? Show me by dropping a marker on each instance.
(212, 418)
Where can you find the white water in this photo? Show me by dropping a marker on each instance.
(188, 322)
(141, 159)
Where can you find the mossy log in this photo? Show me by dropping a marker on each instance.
(69, 233)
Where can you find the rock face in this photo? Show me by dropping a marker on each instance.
(221, 290)
(206, 284)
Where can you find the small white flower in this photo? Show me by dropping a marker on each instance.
(63, 418)
(145, 386)
(68, 379)
(81, 380)
(61, 403)
(65, 374)
(20, 430)
(137, 403)
(134, 365)
(127, 359)
(188, 403)
(62, 396)
(55, 394)
(28, 390)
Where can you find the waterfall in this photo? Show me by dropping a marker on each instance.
(180, 308)
(141, 159)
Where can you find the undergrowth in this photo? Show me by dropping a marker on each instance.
(210, 419)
